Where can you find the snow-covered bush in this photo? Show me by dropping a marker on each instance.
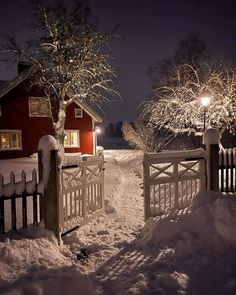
(146, 137)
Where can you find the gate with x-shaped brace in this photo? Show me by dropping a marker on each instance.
(171, 180)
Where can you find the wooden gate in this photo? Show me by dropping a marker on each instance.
(172, 179)
(81, 192)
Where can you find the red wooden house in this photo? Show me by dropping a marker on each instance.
(25, 118)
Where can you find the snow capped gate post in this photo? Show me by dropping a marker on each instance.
(211, 141)
(51, 211)
(146, 176)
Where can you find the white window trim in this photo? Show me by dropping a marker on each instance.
(12, 131)
(78, 137)
(38, 115)
(78, 115)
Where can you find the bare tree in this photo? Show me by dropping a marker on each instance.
(190, 50)
(131, 136)
(176, 106)
(146, 137)
(70, 59)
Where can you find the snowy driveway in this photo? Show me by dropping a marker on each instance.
(124, 217)
(105, 238)
(109, 240)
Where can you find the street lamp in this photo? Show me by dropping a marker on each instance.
(97, 130)
(205, 100)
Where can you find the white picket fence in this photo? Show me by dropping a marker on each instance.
(172, 179)
(77, 195)
(19, 201)
(227, 170)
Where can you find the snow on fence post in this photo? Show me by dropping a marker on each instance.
(146, 173)
(51, 210)
(103, 184)
(84, 191)
(211, 141)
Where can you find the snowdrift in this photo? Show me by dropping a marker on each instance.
(212, 221)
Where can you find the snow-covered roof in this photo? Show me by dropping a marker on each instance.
(88, 109)
(8, 86)
(5, 88)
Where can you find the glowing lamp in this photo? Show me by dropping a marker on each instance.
(205, 100)
(97, 130)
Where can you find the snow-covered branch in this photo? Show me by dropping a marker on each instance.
(177, 105)
(70, 58)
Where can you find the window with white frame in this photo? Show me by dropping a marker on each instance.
(39, 107)
(72, 138)
(10, 140)
(78, 113)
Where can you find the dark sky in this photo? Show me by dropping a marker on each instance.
(151, 30)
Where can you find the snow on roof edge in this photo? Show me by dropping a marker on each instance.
(7, 87)
(90, 111)
(15, 82)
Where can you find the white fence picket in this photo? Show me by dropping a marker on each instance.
(19, 201)
(227, 170)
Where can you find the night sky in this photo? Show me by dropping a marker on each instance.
(150, 31)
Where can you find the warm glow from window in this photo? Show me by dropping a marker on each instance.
(71, 139)
(205, 100)
(10, 140)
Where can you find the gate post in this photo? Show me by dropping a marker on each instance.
(50, 204)
(103, 184)
(84, 191)
(146, 186)
(211, 141)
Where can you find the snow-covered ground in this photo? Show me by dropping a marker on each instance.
(186, 253)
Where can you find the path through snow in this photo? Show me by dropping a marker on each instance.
(111, 234)
(105, 238)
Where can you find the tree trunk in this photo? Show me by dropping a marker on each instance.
(59, 127)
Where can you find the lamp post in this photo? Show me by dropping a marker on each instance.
(205, 100)
(97, 130)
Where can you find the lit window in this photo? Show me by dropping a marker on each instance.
(10, 140)
(72, 138)
(39, 107)
(78, 113)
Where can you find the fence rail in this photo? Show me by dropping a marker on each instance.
(227, 170)
(19, 202)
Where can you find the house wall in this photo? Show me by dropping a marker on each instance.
(85, 127)
(15, 116)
